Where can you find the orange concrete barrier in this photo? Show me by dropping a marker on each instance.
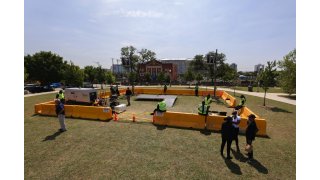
(214, 122)
(179, 119)
(75, 111)
(245, 112)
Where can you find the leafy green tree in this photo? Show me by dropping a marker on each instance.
(73, 75)
(146, 55)
(129, 59)
(132, 79)
(161, 77)
(167, 78)
(110, 78)
(287, 76)
(100, 75)
(199, 78)
(267, 77)
(45, 67)
(189, 76)
(198, 65)
(90, 73)
(25, 74)
(147, 77)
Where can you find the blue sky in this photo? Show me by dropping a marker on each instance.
(86, 31)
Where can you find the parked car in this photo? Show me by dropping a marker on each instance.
(56, 85)
(33, 88)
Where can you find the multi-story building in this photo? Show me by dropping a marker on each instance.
(154, 67)
(234, 66)
(118, 69)
(182, 63)
(258, 67)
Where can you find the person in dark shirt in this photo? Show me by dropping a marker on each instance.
(251, 132)
(165, 89)
(61, 114)
(227, 135)
(128, 95)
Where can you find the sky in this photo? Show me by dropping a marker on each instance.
(248, 32)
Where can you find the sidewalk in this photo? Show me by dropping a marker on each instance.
(37, 94)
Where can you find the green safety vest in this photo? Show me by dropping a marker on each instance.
(196, 88)
(202, 109)
(61, 96)
(207, 101)
(162, 106)
(243, 100)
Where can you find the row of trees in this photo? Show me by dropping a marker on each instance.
(47, 67)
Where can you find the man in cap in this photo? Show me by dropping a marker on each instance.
(251, 132)
(227, 135)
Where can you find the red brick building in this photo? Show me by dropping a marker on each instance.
(154, 67)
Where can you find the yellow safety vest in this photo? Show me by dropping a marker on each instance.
(243, 100)
(162, 106)
(207, 101)
(202, 109)
(61, 96)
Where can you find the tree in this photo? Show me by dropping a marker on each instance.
(161, 77)
(167, 79)
(110, 78)
(100, 75)
(198, 65)
(90, 73)
(199, 78)
(45, 67)
(129, 59)
(267, 78)
(146, 55)
(147, 77)
(287, 76)
(189, 76)
(73, 75)
(25, 74)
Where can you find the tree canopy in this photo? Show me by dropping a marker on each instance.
(287, 75)
(267, 77)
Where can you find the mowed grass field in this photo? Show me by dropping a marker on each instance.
(126, 150)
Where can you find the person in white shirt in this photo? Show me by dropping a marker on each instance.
(235, 122)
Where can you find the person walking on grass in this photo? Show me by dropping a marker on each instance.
(196, 90)
(61, 114)
(165, 89)
(251, 132)
(227, 135)
(128, 95)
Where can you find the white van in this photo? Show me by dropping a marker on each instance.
(81, 95)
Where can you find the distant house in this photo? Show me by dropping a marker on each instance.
(154, 67)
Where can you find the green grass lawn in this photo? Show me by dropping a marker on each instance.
(126, 150)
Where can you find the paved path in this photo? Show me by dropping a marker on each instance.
(273, 96)
(37, 94)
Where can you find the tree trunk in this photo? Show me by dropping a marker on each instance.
(264, 99)
(132, 87)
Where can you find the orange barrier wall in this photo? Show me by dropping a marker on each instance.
(75, 111)
(230, 100)
(178, 119)
(245, 112)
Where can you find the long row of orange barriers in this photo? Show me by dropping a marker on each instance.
(176, 119)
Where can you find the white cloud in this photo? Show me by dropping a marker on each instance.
(133, 13)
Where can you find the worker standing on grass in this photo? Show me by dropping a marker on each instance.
(203, 109)
(236, 121)
(196, 90)
(251, 132)
(128, 95)
(61, 114)
(165, 89)
(208, 100)
(227, 135)
(61, 95)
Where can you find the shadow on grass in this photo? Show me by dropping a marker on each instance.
(256, 164)
(159, 127)
(234, 168)
(52, 137)
(276, 109)
(239, 156)
(205, 132)
(293, 97)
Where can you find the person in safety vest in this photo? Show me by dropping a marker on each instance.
(161, 107)
(208, 100)
(242, 102)
(61, 95)
(203, 109)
